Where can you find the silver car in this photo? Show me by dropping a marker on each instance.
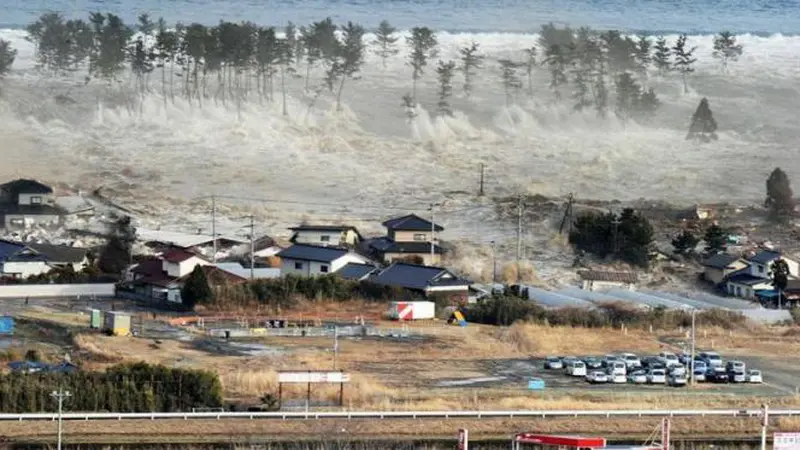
(553, 362)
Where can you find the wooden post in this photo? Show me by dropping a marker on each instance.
(280, 396)
(341, 394)
(480, 191)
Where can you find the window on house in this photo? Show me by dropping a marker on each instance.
(323, 268)
(17, 222)
(36, 200)
(738, 291)
(760, 268)
(420, 236)
(298, 266)
(325, 238)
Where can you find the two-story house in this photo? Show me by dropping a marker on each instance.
(309, 260)
(18, 260)
(326, 235)
(26, 202)
(409, 238)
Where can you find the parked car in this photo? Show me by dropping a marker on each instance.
(596, 377)
(617, 368)
(700, 365)
(609, 359)
(717, 375)
(737, 376)
(631, 361)
(679, 369)
(617, 378)
(576, 369)
(657, 376)
(668, 358)
(553, 363)
(699, 375)
(712, 359)
(637, 377)
(648, 361)
(676, 379)
(592, 362)
(754, 376)
(735, 366)
(684, 358)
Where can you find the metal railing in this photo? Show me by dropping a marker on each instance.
(398, 414)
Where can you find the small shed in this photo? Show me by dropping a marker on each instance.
(96, 319)
(117, 323)
(596, 280)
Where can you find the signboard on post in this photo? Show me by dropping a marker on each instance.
(786, 441)
(463, 439)
(313, 377)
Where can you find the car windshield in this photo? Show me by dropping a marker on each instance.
(552, 358)
(670, 357)
(631, 357)
(578, 365)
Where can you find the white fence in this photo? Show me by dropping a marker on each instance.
(402, 414)
(57, 290)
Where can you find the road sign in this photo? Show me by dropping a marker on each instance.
(786, 441)
(313, 377)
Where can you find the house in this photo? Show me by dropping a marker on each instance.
(326, 235)
(718, 267)
(21, 261)
(310, 260)
(62, 256)
(163, 241)
(258, 273)
(26, 202)
(409, 238)
(426, 280)
(356, 272)
(178, 262)
(761, 263)
(744, 284)
(595, 280)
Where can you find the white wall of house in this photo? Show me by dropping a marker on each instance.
(746, 291)
(35, 199)
(317, 237)
(595, 285)
(174, 295)
(410, 236)
(717, 276)
(183, 268)
(764, 270)
(25, 269)
(311, 268)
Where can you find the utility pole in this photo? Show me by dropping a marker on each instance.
(519, 231)
(694, 335)
(616, 223)
(335, 346)
(494, 263)
(480, 191)
(433, 235)
(214, 226)
(252, 248)
(764, 424)
(60, 395)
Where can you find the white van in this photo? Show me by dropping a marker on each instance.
(617, 368)
(576, 369)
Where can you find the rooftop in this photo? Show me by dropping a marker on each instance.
(25, 186)
(386, 245)
(259, 273)
(305, 252)
(419, 277)
(765, 257)
(178, 255)
(353, 271)
(720, 261)
(743, 277)
(149, 267)
(60, 253)
(410, 222)
(184, 240)
(323, 228)
(615, 277)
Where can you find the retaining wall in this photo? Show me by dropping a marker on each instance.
(57, 290)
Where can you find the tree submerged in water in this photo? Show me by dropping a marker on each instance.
(703, 127)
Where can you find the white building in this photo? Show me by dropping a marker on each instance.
(595, 280)
(761, 264)
(178, 263)
(326, 235)
(310, 260)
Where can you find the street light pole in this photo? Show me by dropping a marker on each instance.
(694, 334)
(494, 263)
(60, 395)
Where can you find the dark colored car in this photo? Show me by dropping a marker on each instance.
(592, 362)
(716, 375)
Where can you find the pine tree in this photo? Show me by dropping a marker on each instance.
(117, 253)
(703, 126)
(285, 61)
(780, 278)
(471, 61)
(716, 239)
(385, 41)
(7, 56)
(628, 93)
(530, 63)
(556, 60)
(510, 78)
(726, 49)
(422, 44)
(685, 242)
(444, 73)
(780, 198)
(196, 290)
(350, 56)
(600, 91)
(662, 56)
(642, 55)
(648, 103)
(684, 60)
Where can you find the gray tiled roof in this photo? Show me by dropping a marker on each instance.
(765, 256)
(353, 271)
(306, 252)
(410, 222)
(598, 275)
(60, 253)
(720, 260)
(386, 245)
(24, 186)
(415, 276)
(742, 277)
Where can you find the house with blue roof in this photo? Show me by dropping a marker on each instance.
(311, 260)
(357, 272)
(18, 260)
(755, 279)
(409, 238)
(426, 280)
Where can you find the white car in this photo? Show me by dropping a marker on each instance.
(553, 362)
(669, 359)
(617, 368)
(637, 377)
(754, 376)
(699, 375)
(677, 369)
(712, 359)
(676, 379)
(657, 376)
(632, 361)
(597, 377)
(576, 369)
(617, 378)
(737, 376)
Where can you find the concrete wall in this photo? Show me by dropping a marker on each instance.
(594, 285)
(25, 269)
(10, 219)
(57, 290)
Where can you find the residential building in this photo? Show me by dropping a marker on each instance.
(409, 238)
(18, 260)
(746, 285)
(425, 280)
(27, 202)
(357, 272)
(326, 235)
(761, 263)
(311, 260)
(718, 267)
(156, 278)
(178, 262)
(62, 256)
(258, 273)
(595, 280)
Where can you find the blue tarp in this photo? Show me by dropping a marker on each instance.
(31, 367)
(6, 325)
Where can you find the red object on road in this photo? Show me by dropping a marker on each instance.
(564, 441)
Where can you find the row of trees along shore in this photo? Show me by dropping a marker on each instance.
(236, 62)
